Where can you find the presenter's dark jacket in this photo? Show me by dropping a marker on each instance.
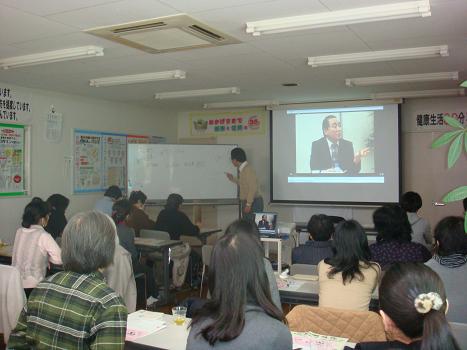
(176, 223)
(321, 156)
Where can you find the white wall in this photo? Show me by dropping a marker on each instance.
(257, 149)
(48, 173)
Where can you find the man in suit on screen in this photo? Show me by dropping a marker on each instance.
(332, 153)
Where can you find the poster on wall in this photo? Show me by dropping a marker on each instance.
(114, 166)
(228, 123)
(12, 159)
(15, 107)
(87, 175)
(100, 159)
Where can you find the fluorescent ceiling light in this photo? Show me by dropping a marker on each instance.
(234, 104)
(421, 93)
(343, 17)
(408, 78)
(52, 56)
(379, 56)
(464, 84)
(137, 78)
(195, 93)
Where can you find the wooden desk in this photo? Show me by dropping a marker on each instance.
(172, 337)
(149, 245)
(278, 241)
(307, 292)
(6, 252)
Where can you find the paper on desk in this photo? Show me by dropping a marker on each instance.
(142, 323)
(289, 284)
(314, 341)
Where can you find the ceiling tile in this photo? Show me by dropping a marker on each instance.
(47, 7)
(114, 13)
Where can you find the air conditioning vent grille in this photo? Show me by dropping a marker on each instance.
(165, 34)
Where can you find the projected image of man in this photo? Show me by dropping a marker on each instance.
(332, 153)
(264, 223)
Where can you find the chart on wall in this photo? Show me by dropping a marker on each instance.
(12, 160)
(100, 159)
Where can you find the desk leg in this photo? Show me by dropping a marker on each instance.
(279, 256)
(266, 249)
(165, 265)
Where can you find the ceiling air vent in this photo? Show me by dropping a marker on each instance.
(165, 34)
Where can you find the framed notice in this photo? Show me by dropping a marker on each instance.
(13, 160)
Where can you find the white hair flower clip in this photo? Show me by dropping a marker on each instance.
(425, 302)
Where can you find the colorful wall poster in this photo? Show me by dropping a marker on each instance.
(12, 159)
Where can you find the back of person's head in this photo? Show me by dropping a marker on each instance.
(237, 276)
(350, 251)
(137, 196)
(411, 202)
(113, 192)
(243, 226)
(413, 297)
(58, 202)
(320, 227)
(392, 224)
(34, 212)
(450, 236)
(120, 210)
(88, 242)
(174, 201)
(238, 154)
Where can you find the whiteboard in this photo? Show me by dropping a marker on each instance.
(197, 172)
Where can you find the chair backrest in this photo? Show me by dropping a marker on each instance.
(357, 326)
(303, 269)
(206, 252)
(156, 234)
(12, 299)
(460, 333)
(120, 277)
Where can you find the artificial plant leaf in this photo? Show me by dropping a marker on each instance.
(453, 122)
(456, 194)
(455, 150)
(445, 138)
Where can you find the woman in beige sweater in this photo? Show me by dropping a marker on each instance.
(347, 280)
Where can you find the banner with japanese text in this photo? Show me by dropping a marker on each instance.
(12, 160)
(434, 119)
(228, 123)
(14, 106)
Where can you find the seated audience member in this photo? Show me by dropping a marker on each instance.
(75, 309)
(241, 314)
(249, 228)
(138, 218)
(413, 305)
(34, 248)
(411, 202)
(113, 194)
(348, 279)
(319, 247)
(57, 220)
(126, 236)
(450, 263)
(393, 242)
(172, 220)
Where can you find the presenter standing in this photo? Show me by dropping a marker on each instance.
(250, 200)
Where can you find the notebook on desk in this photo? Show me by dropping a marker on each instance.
(267, 224)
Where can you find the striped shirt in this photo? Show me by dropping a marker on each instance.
(71, 311)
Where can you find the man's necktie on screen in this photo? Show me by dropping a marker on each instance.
(334, 151)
